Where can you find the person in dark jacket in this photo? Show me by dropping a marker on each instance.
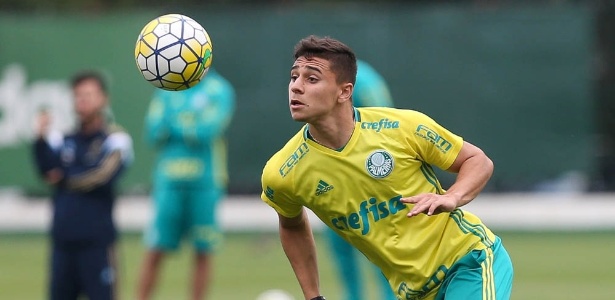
(83, 168)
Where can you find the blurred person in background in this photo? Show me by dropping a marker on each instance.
(83, 167)
(186, 128)
(382, 194)
(370, 90)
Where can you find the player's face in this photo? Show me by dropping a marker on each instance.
(90, 99)
(313, 90)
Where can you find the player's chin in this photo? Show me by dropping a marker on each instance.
(298, 116)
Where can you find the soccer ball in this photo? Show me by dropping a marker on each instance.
(275, 295)
(173, 52)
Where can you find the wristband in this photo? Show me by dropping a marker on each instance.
(319, 298)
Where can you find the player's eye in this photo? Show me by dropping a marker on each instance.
(293, 77)
(312, 79)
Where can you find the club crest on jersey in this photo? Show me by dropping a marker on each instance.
(379, 164)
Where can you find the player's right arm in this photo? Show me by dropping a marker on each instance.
(298, 244)
(295, 230)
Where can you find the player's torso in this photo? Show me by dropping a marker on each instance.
(79, 153)
(179, 159)
(83, 215)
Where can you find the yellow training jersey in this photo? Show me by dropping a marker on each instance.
(356, 191)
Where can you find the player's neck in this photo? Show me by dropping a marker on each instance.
(92, 125)
(333, 133)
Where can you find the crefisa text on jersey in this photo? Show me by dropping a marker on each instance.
(382, 124)
(377, 211)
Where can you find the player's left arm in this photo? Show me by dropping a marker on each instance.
(473, 168)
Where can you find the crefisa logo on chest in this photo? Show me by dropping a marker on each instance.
(379, 164)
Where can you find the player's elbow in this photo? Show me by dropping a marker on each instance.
(488, 166)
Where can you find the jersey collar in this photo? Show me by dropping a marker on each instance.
(307, 136)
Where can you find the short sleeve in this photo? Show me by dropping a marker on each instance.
(433, 143)
(276, 193)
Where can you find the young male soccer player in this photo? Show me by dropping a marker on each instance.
(187, 130)
(83, 167)
(382, 195)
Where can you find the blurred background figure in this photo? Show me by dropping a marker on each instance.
(83, 168)
(187, 128)
(370, 90)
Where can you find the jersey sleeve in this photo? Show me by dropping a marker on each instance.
(275, 193)
(433, 143)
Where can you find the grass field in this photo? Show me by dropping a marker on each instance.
(547, 266)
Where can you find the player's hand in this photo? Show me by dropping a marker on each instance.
(430, 204)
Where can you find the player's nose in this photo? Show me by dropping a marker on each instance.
(295, 86)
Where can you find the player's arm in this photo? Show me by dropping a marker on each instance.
(473, 168)
(47, 162)
(298, 243)
(46, 159)
(108, 169)
(102, 174)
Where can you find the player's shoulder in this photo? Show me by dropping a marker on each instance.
(295, 144)
(117, 136)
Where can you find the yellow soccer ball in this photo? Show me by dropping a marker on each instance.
(173, 52)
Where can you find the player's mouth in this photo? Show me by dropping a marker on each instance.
(296, 104)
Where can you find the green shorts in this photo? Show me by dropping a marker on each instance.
(184, 211)
(480, 275)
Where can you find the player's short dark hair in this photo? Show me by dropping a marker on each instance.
(342, 58)
(82, 76)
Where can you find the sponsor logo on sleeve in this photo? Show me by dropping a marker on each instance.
(433, 137)
(293, 159)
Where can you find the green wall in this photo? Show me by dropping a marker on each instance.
(514, 81)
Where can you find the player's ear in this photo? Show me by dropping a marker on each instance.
(346, 92)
